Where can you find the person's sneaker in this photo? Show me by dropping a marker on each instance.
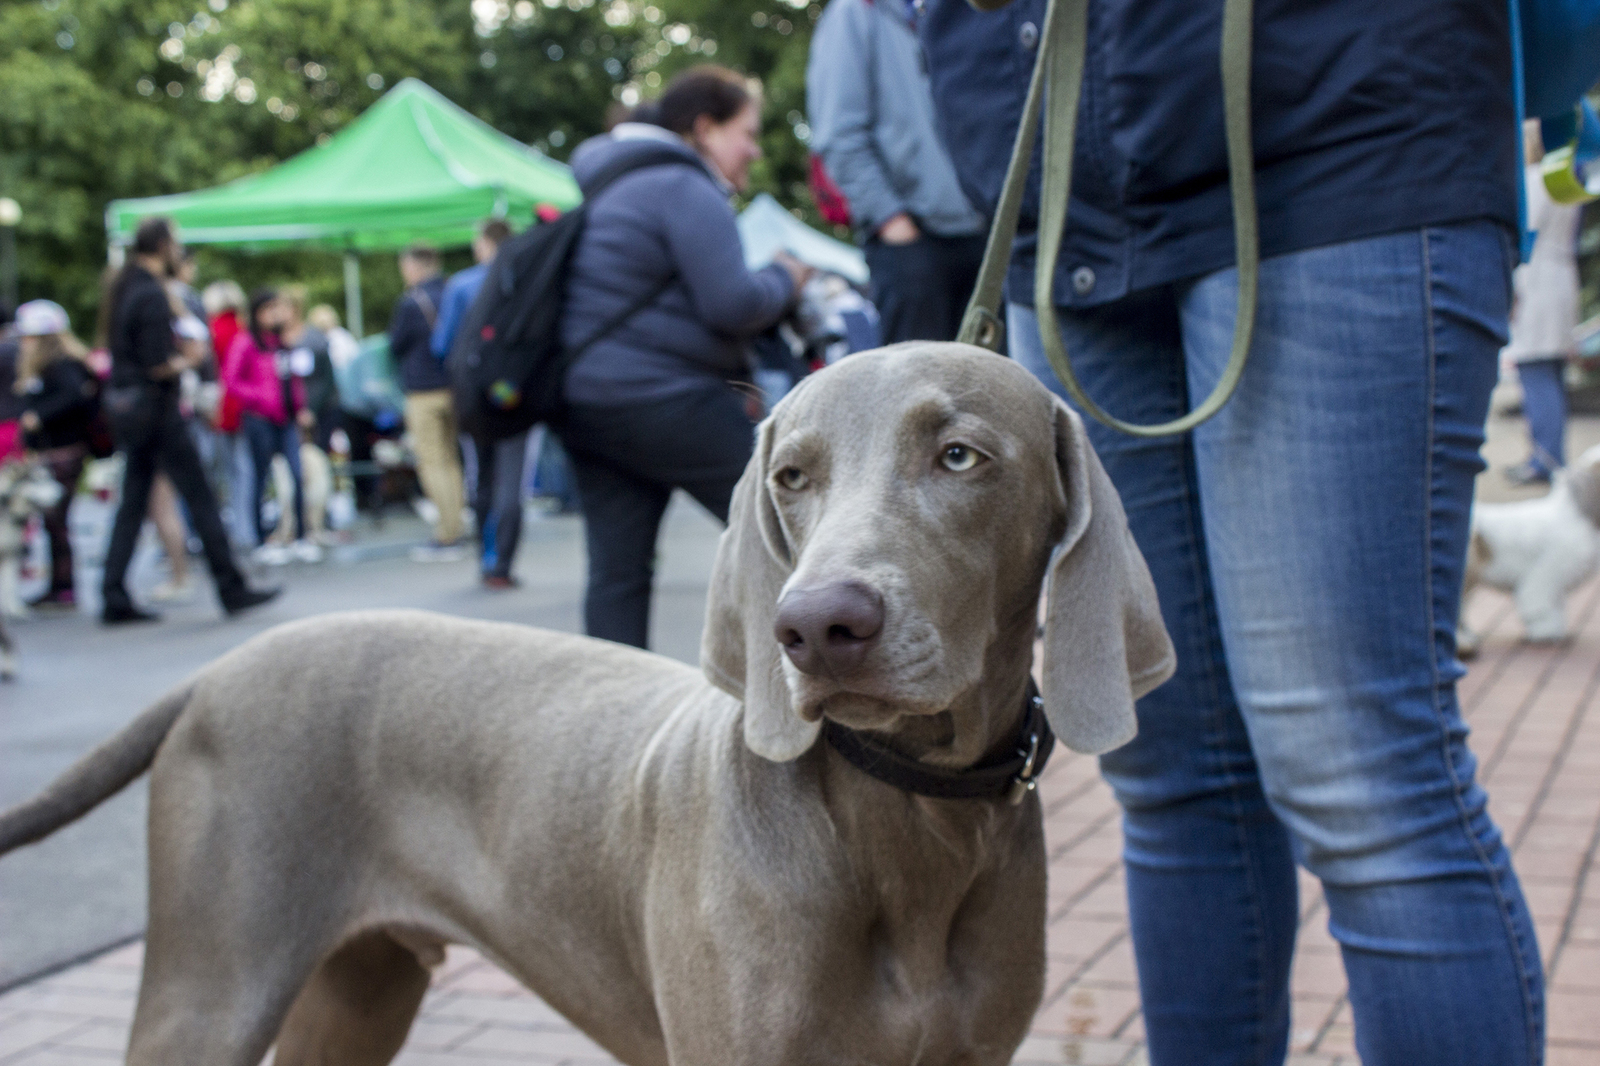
(271, 555)
(246, 598)
(306, 551)
(1528, 473)
(116, 614)
(500, 582)
(434, 552)
(171, 590)
(64, 599)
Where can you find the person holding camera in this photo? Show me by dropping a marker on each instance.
(653, 404)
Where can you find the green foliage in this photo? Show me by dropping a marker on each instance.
(544, 75)
(106, 99)
(768, 39)
(118, 98)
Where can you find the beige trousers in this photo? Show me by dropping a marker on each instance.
(431, 419)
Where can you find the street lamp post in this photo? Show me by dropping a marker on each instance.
(10, 215)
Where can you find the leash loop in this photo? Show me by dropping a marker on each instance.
(1059, 70)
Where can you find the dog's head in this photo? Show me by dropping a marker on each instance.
(25, 487)
(1583, 482)
(886, 549)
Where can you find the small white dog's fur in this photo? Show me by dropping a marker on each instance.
(25, 488)
(317, 474)
(1539, 550)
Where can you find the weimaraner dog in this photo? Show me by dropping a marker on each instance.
(688, 867)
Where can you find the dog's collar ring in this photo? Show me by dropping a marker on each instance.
(1011, 777)
(1027, 779)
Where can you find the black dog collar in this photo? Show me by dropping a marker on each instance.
(1010, 776)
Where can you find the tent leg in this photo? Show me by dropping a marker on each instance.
(352, 294)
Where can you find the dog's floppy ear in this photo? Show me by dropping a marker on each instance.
(739, 652)
(1104, 641)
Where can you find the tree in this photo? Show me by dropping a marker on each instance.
(108, 99)
(770, 40)
(75, 133)
(543, 73)
(119, 98)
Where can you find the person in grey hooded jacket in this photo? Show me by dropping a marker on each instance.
(653, 403)
(872, 123)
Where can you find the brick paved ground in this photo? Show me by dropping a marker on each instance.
(1535, 716)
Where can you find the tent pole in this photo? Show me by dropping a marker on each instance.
(352, 294)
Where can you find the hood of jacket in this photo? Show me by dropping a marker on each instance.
(631, 139)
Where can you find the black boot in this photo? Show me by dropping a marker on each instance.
(237, 601)
(121, 611)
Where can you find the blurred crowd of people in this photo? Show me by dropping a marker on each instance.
(227, 412)
(197, 393)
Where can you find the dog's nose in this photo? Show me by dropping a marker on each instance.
(828, 629)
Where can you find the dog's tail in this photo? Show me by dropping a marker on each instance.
(96, 777)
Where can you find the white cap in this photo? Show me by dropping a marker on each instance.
(39, 318)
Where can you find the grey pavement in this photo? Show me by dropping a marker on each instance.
(83, 889)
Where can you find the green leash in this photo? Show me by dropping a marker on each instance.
(1059, 70)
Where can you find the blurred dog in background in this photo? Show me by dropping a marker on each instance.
(1538, 550)
(316, 475)
(26, 488)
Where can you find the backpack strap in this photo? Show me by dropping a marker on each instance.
(424, 302)
(615, 322)
(1060, 66)
(658, 155)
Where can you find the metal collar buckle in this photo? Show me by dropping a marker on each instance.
(1026, 780)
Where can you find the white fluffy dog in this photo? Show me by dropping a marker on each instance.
(25, 488)
(1539, 550)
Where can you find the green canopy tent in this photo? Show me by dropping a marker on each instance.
(414, 167)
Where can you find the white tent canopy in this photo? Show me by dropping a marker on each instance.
(766, 229)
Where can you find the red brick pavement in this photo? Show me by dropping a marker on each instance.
(1535, 717)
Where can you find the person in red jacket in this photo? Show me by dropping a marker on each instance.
(225, 306)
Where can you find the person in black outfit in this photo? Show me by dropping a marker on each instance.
(141, 402)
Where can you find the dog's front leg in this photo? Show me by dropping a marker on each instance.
(1541, 601)
(11, 605)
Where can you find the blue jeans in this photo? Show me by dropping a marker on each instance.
(266, 439)
(1308, 546)
(1544, 405)
(498, 501)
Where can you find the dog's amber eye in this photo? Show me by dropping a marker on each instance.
(959, 457)
(793, 478)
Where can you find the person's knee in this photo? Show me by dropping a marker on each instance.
(1385, 822)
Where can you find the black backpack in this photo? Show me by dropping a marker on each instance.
(507, 363)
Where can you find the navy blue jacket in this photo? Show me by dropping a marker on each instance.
(660, 222)
(410, 338)
(1369, 116)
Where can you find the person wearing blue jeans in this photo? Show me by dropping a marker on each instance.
(1544, 405)
(1308, 546)
(1543, 316)
(1308, 543)
(266, 439)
